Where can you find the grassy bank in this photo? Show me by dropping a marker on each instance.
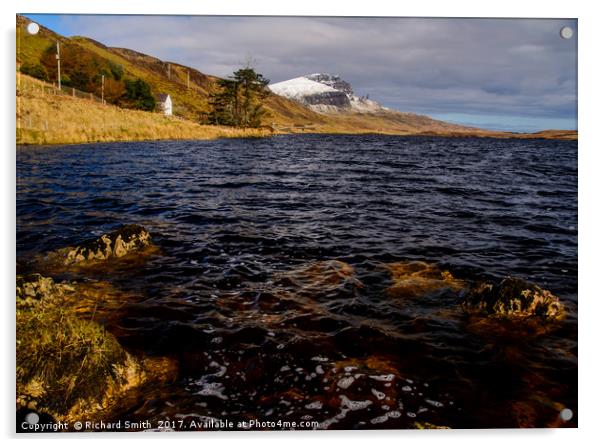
(47, 118)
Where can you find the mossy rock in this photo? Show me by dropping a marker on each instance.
(116, 244)
(33, 287)
(514, 298)
(128, 245)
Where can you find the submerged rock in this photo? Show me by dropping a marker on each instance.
(416, 278)
(513, 298)
(323, 272)
(320, 278)
(370, 391)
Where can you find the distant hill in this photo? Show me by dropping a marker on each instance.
(84, 61)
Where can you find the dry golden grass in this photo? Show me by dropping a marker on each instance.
(46, 118)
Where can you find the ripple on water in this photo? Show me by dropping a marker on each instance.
(302, 263)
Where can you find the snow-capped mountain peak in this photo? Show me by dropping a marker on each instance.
(297, 88)
(324, 93)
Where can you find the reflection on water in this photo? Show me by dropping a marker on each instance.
(317, 278)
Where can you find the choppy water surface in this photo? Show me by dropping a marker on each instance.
(248, 296)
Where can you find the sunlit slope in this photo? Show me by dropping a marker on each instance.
(46, 118)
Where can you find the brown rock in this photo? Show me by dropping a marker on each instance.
(514, 298)
(33, 287)
(116, 244)
(416, 279)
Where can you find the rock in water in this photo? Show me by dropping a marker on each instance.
(34, 287)
(320, 277)
(513, 298)
(415, 279)
(115, 244)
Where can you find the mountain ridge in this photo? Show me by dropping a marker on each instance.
(325, 93)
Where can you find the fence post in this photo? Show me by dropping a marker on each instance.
(73, 91)
(91, 96)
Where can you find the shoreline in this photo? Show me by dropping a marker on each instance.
(48, 119)
(21, 144)
(573, 136)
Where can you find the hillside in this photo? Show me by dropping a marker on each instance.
(84, 60)
(44, 117)
(189, 88)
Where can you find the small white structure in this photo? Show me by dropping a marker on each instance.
(164, 104)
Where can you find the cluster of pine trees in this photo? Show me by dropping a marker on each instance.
(239, 101)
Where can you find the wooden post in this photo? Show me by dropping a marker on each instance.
(73, 91)
(188, 79)
(58, 62)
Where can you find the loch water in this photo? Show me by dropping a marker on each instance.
(271, 292)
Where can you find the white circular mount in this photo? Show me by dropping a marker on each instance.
(32, 418)
(33, 28)
(566, 32)
(566, 414)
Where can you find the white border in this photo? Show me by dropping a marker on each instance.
(589, 185)
(428, 8)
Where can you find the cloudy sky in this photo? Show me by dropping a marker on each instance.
(511, 74)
